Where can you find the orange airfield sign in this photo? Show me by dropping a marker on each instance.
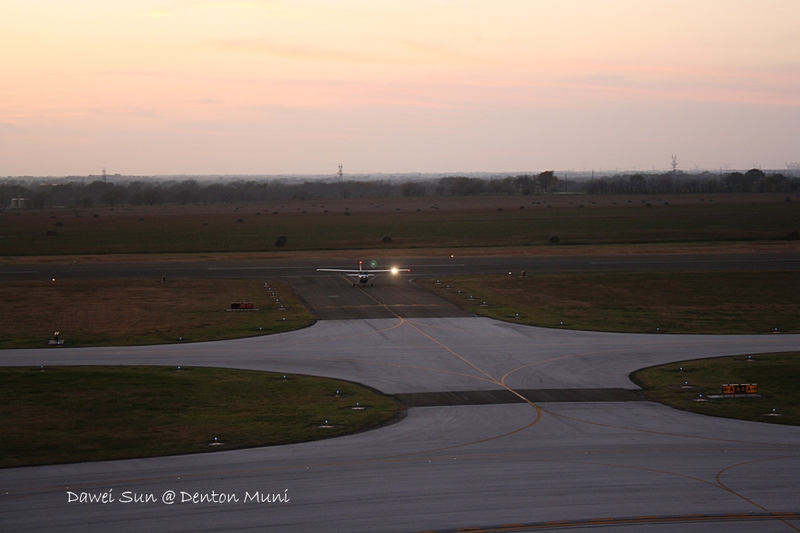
(740, 388)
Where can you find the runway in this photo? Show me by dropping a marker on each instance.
(286, 269)
(510, 428)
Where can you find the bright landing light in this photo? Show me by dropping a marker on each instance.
(394, 270)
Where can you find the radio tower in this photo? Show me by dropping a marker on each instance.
(339, 174)
(674, 164)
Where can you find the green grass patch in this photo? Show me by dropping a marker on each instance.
(681, 302)
(777, 376)
(175, 230)
(124, 312)
(72, 414)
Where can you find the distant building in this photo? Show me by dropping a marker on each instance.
(20, 203)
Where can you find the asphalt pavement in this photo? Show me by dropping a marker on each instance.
(287, 269)
(514, 428)
(607, 463)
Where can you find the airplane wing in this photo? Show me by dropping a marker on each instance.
(361, 272)
(364, 276)
(352, 273)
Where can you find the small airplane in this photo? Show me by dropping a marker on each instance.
(364, 276)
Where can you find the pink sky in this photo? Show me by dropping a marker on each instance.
(274, 87)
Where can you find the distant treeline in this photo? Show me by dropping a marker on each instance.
(751, 181)
(102, 193)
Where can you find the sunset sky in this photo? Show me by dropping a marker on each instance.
(297, 87)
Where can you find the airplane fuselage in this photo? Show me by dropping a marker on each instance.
(364, 276)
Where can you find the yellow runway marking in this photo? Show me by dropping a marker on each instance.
(718, 483)
(725, 487)
(419, 455)
(388, 458)
(491, 378)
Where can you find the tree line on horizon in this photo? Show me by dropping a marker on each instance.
(752, 181)
(118, 192)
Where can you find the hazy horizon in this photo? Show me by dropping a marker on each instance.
(578, 176)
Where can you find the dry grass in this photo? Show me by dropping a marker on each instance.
(777, 376)
(445, 223)
(102, 313)
(63, 414)
(683, 302)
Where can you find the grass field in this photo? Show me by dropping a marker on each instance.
(777, 376)
(71, 414)
(103, 313)
(683, 302)
(176, 230)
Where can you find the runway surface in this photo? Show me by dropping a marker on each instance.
(430, 266)
(509, 428)
(445, 467)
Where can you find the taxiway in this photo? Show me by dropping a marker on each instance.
(531, 464)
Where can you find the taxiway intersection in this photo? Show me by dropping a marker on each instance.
(526, 465)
